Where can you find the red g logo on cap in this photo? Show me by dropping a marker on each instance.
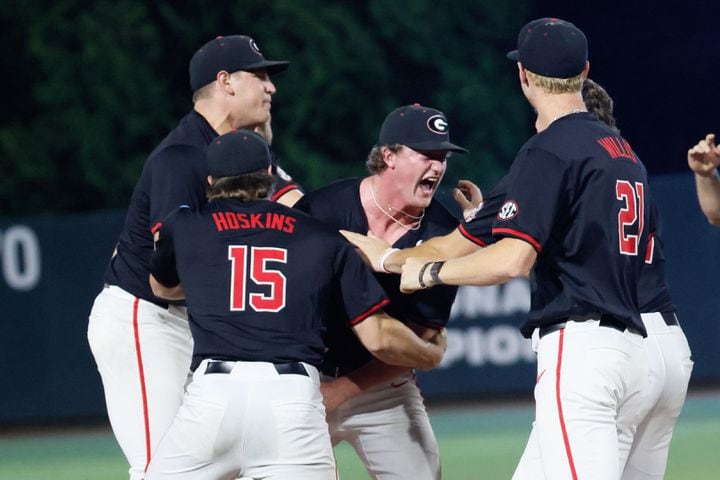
(437, 124)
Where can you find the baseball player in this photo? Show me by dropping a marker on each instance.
(703, 160)
(666, 346)
(576, 213)
(141, 343)
(643, 456)
(376, 408)
(254, 407)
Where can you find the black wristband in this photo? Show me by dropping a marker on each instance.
(435, 271)
(422, 273)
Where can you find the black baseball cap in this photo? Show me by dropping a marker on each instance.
(232, 53)
(237, 153)
(552, 48)
(421, 128)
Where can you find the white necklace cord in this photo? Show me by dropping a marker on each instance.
(418, 220)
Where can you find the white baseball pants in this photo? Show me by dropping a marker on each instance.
(589, 398)
(670, 368)
(251, 422)
(143, 354)
(389, 429)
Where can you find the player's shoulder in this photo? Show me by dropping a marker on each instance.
(308, 225)
(339, 189)
(324, 201)
(188, 140)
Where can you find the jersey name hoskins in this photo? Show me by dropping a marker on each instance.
(235, 221)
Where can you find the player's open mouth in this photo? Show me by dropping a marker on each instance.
(427, 185)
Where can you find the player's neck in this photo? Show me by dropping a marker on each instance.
(553, 107)
(387, 217)
(218, 117)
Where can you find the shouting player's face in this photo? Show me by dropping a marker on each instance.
(252, 98)
(418, 175)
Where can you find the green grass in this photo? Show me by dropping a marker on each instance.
(478, 442)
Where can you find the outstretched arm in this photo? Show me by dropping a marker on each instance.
(374, 249)
(504, 260)
(703, 160)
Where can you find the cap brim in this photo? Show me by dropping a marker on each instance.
(514, 55)
(436, 147)
(272, 67)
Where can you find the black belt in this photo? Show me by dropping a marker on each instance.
(605, 321)
(289, 368)
(670, 319)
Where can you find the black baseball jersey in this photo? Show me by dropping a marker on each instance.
(653, 294)
(174, 174)
(339, 206)
(478, 229)
(577, 194)
(259, 278)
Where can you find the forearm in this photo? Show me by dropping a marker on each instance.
(502, 261)
(394, 343)
(708, 192)
(452, 245)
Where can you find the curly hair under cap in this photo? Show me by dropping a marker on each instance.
(375, 162)
(248, 187)
(598, 102)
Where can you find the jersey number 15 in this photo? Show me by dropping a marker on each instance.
(260, 274)
(632, 212)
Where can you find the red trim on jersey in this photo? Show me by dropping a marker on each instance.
(141, 373)
(470, 236)
(283, 191)
(650, 251)
(156, 227)
(522, 236)
(566, 440)
(369, 312)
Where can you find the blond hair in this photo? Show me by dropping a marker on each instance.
(554, 85)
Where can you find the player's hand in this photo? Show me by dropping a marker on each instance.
(440, 339)
(370, 247)
(409, 281)
(335, 393)
(469, 197)
(704, 157)
(439, 345)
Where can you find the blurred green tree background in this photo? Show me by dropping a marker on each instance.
(92, 86)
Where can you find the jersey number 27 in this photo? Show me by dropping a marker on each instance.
(632, 212)
(260, 274)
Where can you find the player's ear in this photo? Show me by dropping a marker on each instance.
(388, 156)
(522, 75)
(269, 170)
(586, 70)
(223, 81)
(210, 180)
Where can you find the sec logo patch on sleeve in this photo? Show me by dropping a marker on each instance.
(508, 210)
